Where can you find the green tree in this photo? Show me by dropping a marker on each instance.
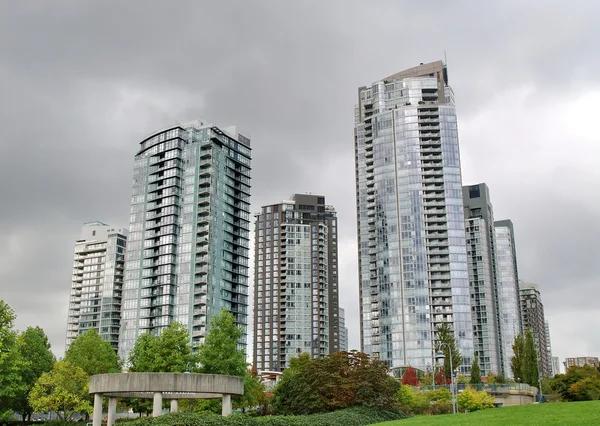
(92, 354)
(63, 390)
(530, 366)
(563, 384)
(517, 362)
(587, 389)
(34, 349)
(475, 372)
(11, 363)
(340, 380)
(220, 353)
(446, 344)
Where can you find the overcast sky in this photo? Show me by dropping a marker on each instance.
(82, 82)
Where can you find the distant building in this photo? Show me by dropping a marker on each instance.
(343, 331)
(581, 361)
(481, 257)
(97, 284)
(549, 349)
(555, 365)
(296, 304)
(532, 310)
(508, 289)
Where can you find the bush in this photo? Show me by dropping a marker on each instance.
(438, 401)
(473, 400)
(587, 389)
(355, 416)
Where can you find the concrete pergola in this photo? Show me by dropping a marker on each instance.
(159, 386)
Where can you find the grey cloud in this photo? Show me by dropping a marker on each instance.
(83, 82)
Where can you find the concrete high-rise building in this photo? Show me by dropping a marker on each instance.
(296, 306)
(343, 331)
(481, 255)
(411, 233)
(97, 282)
(532, 311)
(509, 305)
(187, 253)
(549, 348)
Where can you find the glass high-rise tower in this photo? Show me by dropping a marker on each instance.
(483, 278)
(509, 305)
(411, 231)
(189, 232)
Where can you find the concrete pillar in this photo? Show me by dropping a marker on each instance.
(174, 406)
(97, 416)
(157, 406)
(226, 408)
(112, 410)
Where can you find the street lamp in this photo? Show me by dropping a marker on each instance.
(519, 387)
(441, 355)
(187, 368)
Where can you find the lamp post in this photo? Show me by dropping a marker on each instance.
(441, 355)
(519, 387)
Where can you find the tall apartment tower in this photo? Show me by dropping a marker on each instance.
(296, 303)
(189, 232)
(509, 304)
(413, 273)
(343, 331)
(97, 284)
(532, 311)
(481, 255)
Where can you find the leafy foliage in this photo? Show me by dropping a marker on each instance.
(473, 400)
(37, 358)
(438, 401)
(11, 362)
(220, 353)
(63, 390)
(169, 352)
(355, 416)
(578, 384)
(446, 344)
(475, 372)
(524, 364)
(410, 377)
(92, 354)
(340, 380)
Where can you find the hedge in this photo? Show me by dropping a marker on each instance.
(355, 416)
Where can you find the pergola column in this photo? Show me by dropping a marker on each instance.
(174, 406)
(157, 405)
(226, 409)
(112, 410)
(97, 416)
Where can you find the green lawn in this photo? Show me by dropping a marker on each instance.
(560, 413)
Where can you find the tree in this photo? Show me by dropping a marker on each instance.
(446, 343)
(34, 349)
(11, 363)
(169, 352)
(340, 380)
(472, 400)
(410, 377)
(220, 353)
(530, 366)
(574, 385)
(524, 363)
(517, 362)
(475, 372)
(587, 389)
(92, 354)
(63, 390)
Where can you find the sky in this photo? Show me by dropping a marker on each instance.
(83, 82)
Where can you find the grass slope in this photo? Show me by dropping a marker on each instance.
(564, 413)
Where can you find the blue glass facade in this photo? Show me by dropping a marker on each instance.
(411, 236)
(190, 225)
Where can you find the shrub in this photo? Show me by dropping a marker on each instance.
(587, 389)
(355, 416)
(473, 400)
